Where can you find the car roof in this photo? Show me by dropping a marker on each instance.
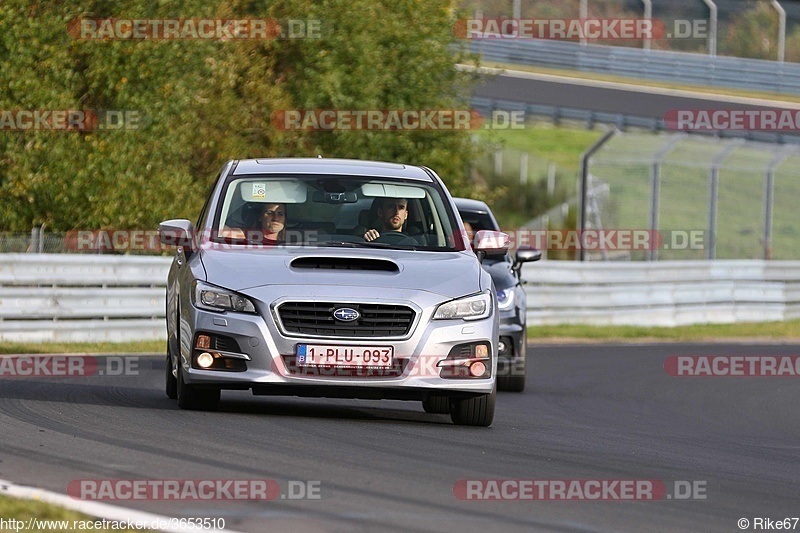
(344, 167)
(468, 204)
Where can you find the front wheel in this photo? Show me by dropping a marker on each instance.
(477, 411)
(196, 399)
(436, 404)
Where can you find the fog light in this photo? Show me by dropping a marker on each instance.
(203, 341)
(477, 369)
(205, 360)
(481, 350)
(501, 347)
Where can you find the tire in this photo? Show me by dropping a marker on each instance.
(439, 405)
(195, 399)
(171, 382)
(515, 380)
(477, 411)
(170, 379)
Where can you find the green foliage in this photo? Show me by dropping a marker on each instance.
(209, 101)
(754, 34)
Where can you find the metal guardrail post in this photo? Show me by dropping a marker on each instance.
(712, 27)
(781, 29)
(655, 189)
(34, 246)
(648, 15)
(713, 196)
(584, 183)
(583, 15)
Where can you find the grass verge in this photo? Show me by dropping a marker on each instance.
(158, 347)
(759, 331)
(46, 517)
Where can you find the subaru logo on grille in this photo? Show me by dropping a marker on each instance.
(346, 314)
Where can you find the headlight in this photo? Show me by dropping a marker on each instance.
(505, 298)
(469, 308)
(217, 299)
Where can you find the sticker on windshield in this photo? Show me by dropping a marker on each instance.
(259, 190)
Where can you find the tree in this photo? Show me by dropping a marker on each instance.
(208, 101)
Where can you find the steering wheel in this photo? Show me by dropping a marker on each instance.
(397, 237)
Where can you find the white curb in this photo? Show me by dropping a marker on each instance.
(97, 509)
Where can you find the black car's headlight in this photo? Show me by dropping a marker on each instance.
(471, 307)
(505, 298)
(213, 298)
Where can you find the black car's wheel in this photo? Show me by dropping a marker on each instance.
(436, 404)
(170, 379)
(196, 399)
(514, 381)
(477, 411)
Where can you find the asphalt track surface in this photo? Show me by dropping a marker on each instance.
(566, 93)
(606, 412)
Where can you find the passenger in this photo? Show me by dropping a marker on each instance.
(269, 225)
(470, 232)
(392, 215)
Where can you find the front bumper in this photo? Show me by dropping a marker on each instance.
(267, 353)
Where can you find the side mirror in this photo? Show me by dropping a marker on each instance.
(526, 254)
(177, 232)
(491, 243)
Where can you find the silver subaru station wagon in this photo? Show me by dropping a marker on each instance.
(332, 278)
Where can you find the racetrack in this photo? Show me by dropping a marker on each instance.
(605, 412)
(606, 97)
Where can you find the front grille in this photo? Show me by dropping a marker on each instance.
(316, 318)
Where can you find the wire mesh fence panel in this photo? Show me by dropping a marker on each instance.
(712, 195)
(785, 235)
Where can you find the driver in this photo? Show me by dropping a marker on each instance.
(392, 214)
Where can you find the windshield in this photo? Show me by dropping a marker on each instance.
(334, 211)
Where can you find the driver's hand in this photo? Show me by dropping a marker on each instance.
(371, 235)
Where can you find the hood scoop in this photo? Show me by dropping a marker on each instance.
(345, 263)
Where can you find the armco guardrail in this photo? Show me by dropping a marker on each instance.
(674, 67)
(665, 293)
(70, 298)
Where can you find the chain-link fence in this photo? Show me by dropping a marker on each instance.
(708, 198)
(41, 241)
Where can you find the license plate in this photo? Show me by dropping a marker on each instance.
(344, 356)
